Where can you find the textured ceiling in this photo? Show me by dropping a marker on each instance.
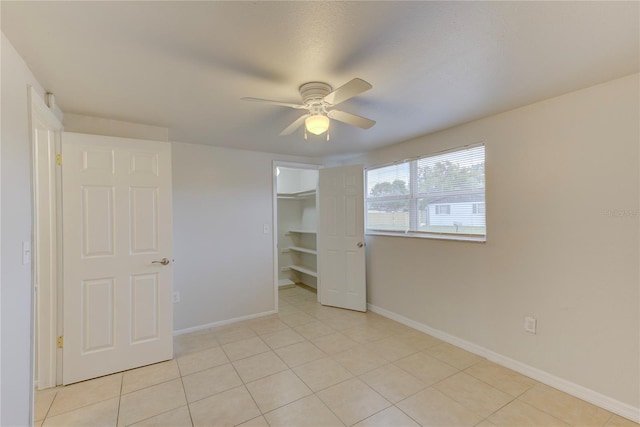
(433, 65)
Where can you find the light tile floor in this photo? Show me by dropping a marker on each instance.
(316, 366)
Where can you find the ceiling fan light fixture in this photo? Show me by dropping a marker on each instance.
(317, 124)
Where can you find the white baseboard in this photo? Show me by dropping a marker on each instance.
(591, 396)
(222, 322)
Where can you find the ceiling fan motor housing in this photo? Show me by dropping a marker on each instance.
(312, 95)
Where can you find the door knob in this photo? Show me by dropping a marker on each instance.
(163, 261)
(360, 244)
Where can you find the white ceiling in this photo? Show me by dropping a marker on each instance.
(433, 65)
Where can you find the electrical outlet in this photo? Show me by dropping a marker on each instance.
(530, 324)
(176, 297)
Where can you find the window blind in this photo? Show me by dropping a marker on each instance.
(437, 194)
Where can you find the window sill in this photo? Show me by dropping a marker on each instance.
(435, 236)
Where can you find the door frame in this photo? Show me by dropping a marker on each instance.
(46, 263)
(274, 218)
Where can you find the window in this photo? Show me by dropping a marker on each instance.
(478, 208)
(443, 209)
(442, 194)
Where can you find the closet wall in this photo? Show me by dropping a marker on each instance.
(297, 256)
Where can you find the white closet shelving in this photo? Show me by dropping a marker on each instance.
(305, 252)
(285, 282)
(297, 194)
(295, 230)
(304, 270)
(297, 257)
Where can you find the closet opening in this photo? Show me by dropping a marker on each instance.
(295, 206)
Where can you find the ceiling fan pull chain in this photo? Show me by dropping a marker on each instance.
(328, 136)
(305, 133)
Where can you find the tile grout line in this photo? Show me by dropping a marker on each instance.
(85, 405)
(160, 413)
(464, 406)
(184, 391)
(267, 376)
(50, 406)
(244, 385)
(541, 410)
(400, 409)
(496, 388)
(120, 399)
(313, 393)
(330, 356)
(608, 420)
(519, 399)
(514, 398)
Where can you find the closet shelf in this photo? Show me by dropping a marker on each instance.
(305, 250)
(304, 270)
(303, 231)
(297, 195)
(285, 282)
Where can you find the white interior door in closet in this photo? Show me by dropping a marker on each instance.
(341, 253)
(116, 196)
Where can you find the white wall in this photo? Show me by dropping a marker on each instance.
(309, 220)
(16, 383)
(223, 260)
(293, 180)
(555, 171)
(101, 126)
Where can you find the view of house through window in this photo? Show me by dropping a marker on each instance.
(442, 194)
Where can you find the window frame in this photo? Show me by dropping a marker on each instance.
(412, 199)
(446, 207)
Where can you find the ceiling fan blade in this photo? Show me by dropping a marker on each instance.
(347, 90)
(282, 104)
(351, 119)
(295, 125)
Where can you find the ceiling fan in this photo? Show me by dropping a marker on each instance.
(318, 99)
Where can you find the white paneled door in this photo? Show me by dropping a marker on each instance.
(117, 305)
(341, 238)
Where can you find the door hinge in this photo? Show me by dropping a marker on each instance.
(59, 159)
(60, 342)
